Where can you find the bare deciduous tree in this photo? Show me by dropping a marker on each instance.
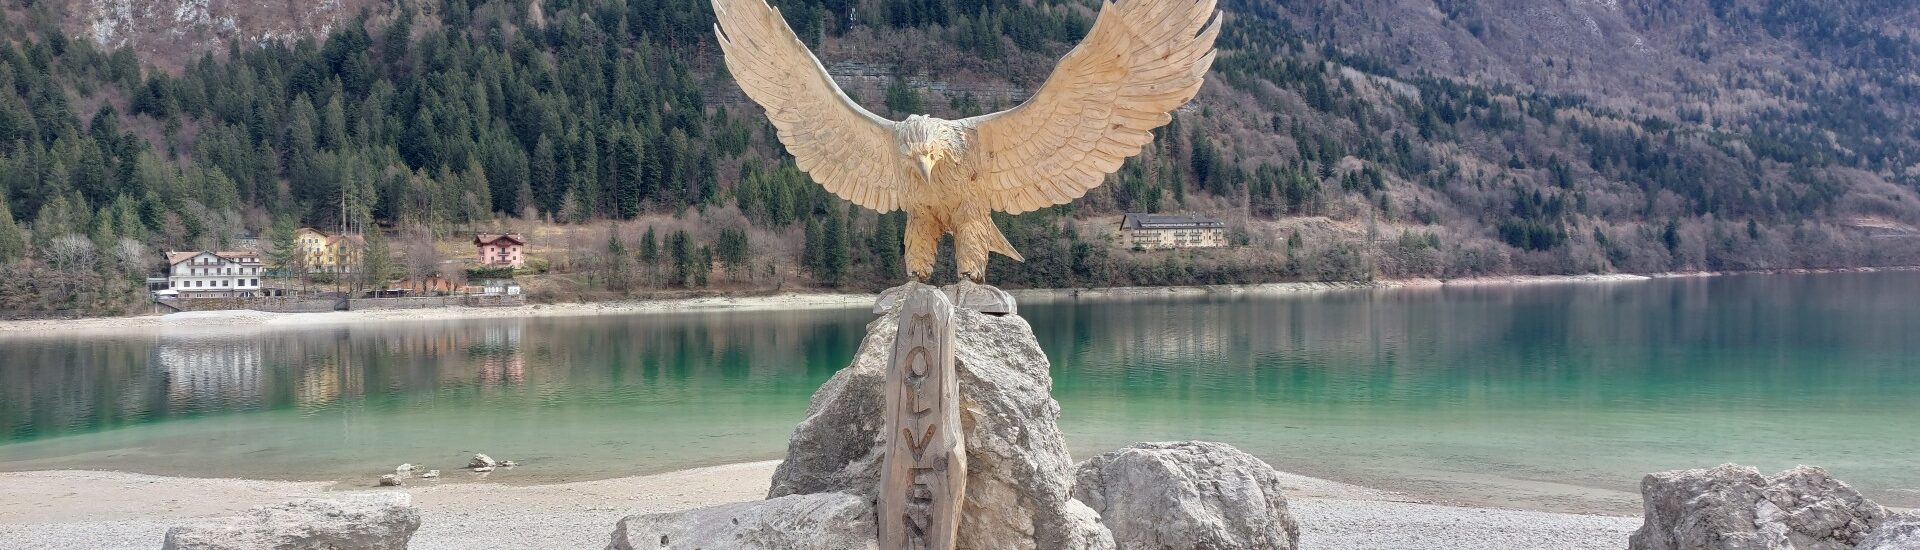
(422, 259)
(131, 256)
(71, 253)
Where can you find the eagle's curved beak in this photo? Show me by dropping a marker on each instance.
(925, 163)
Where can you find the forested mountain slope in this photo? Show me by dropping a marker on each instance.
(1343, 138)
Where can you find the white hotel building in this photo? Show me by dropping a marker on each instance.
(213, 274)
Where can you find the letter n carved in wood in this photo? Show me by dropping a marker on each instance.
(924, 479)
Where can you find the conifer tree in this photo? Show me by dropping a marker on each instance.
(102, 233)
(300, 143)
(680, 250)
(732, 250)
(702, 265)
(617, 269)
(283, 248)
(376, 262)
(812, 251)
(649, 248)
(886, 248)
(543, 175)
(13, 240)
(332, 131)
(477, 192)
(628, 184)
(834, 249)
(57, 217)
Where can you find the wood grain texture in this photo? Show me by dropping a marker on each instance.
(844, 147)
(923, 480)
(1141, 60)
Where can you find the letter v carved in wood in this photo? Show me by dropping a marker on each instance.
(920, 447)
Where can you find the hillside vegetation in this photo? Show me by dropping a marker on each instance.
(1343, 139)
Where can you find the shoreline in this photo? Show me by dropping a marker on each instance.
(95, 509)
(798, 301)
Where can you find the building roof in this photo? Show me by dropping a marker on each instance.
(356, 240)
(1170, 221)
(490, 238)
(237, 256)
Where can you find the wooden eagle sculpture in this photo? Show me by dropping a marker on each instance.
(1141, 60)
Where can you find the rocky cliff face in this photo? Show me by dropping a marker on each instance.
(172, 32)
(1701, 60)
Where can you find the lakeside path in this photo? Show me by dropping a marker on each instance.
(790, 301)
(773, 302)
(111, 510)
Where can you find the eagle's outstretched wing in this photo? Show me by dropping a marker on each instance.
(1141, 60)
(846, 148)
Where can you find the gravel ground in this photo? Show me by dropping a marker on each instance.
(111, 511)
(1330, 524)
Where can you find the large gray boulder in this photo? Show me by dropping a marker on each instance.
(1018, 471)
(821, 521)
(371, 521)
(1899, 532)
(1188, 495)
(1732, 507)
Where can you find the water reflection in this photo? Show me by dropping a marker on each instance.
(65, 385)
(1549, 396)
(213, 373)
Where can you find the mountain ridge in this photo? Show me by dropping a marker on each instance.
(1344, 139)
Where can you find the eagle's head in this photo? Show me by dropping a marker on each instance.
(930, 141)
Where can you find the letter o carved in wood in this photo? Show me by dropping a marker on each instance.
(918, 361)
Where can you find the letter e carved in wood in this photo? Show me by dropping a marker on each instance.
(924, 479)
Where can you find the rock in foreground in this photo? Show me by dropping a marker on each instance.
(1733, 507)
(1901, 532)
(1188, 495)
(822, 521)
(376, 521)
(1018, 471)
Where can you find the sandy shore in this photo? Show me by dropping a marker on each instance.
(110, 510)
(776, 302)
(251, 318)
(782, 302)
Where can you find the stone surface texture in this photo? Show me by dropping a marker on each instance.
(1019, 477)
(820, 521)
(1732, 507)
(1188, 495)
(368, 521)
(481, 461)
(1899, 532)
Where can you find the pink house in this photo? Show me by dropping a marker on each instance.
(501, 250)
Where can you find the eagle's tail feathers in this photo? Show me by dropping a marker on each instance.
(997, 242)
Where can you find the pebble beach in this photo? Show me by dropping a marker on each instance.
(110, 511)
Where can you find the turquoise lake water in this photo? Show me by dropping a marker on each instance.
(1545, 396)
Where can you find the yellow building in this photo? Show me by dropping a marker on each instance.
(323, 253)
(1162, 232)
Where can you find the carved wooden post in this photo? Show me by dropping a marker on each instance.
(924, 479)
